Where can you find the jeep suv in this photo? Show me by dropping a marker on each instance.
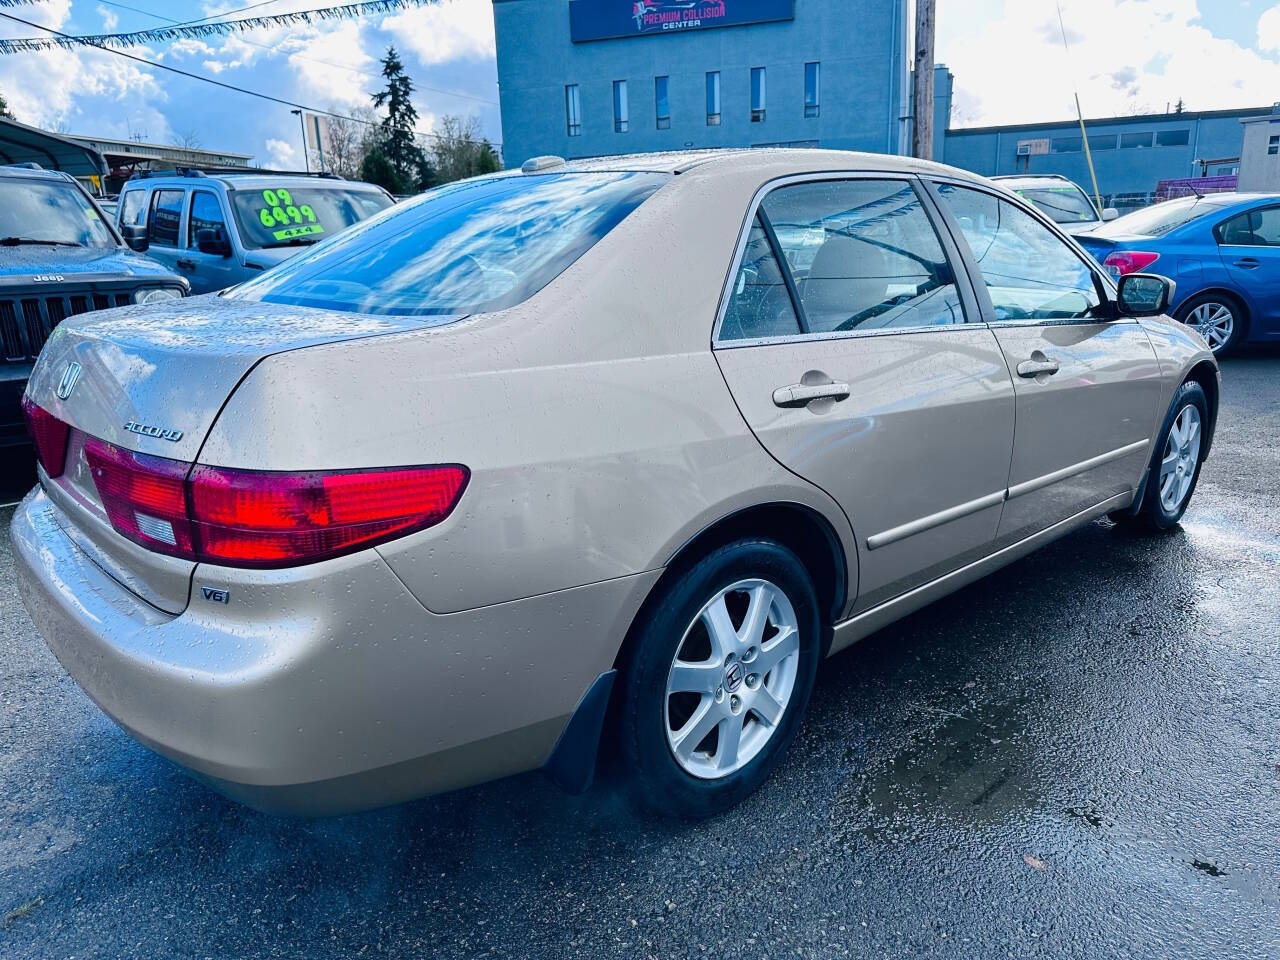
(219, 229)
(59, 256)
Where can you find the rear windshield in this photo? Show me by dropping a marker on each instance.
(1060, 204)
(1160, 219)
(470, 247)
(47, 211)
(288, 215)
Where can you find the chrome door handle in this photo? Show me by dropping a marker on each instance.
(1038, 365)
(801, 394)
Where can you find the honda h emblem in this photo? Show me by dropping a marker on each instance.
(69, 378)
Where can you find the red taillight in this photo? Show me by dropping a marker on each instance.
(49, 434)
(1129, 261)
(145, 497)
(251, 519)
(247, 518)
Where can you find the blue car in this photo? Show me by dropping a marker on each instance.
(1223, 251)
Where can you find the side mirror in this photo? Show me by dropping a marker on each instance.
(213, 240)
(1145, 295)
(1109, 214)
(135, 235)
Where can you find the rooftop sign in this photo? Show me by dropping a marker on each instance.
(608, 19)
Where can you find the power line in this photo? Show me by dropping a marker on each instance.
(218, 83)
(327, 63)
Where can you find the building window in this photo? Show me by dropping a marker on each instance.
(573, 110)
(1131, 141)
(1273, 146)
(812, 73)
(662, 102)
(757, 95)
(619, 106)
(713, 99)
(1173, 138)
(1102, 143)
(1067, 145)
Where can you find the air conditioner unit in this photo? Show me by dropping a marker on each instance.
(1024, 149)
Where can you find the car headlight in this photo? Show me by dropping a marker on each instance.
(157, 294)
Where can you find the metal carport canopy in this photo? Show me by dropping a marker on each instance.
(20, 143)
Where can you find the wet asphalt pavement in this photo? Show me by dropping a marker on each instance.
(1077, 757)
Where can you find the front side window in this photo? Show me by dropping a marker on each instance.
(713, 98)
(619, 106)
(1256, 228)
(759, 304)
(863, 255)
(49, 211)
(573, 110)
(1030, 273)
(293, 215)
(469, 247)
(812, 77)
(165, 218)
(133, 207)
(662, 102)
(757, 94)
(206, 214)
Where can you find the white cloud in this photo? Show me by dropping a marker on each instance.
(320, 69)
(109, 19)
(282, 155)
(450, 30)
(1127, 56)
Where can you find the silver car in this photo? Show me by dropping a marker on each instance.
(581, 458)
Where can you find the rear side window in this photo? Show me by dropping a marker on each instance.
(206, 214)
(863, 255)
(1256, 228)
(132, 207)
(470, 247)
(165, 218)
(1029, 272)
(759, 304)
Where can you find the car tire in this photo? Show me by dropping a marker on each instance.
(1174, 470)
(683, 678)
(1219, 317)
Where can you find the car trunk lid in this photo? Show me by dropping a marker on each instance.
(153, 380)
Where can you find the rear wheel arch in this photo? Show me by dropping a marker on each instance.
(799, 528)
(1208, 293)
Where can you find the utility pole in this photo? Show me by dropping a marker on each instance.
(303, 124)
(922, 99)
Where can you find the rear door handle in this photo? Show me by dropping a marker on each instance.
(1247, 263)
(801, 394)
(1037, 365)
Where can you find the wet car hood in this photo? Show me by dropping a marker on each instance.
(22, 263)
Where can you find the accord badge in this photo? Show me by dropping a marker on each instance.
(159, 433)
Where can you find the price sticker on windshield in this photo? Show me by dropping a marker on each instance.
(285, 219)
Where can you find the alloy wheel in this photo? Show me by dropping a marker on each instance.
(732, 679)
(1181, 454)
(1215, 322)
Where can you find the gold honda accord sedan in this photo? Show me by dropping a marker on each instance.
(581, 460)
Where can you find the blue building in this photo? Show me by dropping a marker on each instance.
(581, 78)
(1131, 155)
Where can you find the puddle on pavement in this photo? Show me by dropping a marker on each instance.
(972, 766)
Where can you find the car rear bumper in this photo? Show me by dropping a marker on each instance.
(326, 688)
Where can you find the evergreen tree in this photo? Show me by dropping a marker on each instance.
(398, 142)
(377, 168)
(4, 108)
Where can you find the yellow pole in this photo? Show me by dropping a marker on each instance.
(1088, 156)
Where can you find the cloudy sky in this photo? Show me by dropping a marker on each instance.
(1126, 56)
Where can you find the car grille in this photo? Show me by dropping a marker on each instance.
(26, 321)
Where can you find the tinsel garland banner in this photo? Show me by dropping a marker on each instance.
(216, 28)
